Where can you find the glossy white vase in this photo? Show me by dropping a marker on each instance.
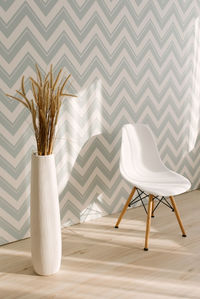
(45, 216)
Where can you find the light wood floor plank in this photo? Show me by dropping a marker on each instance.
(100, 261)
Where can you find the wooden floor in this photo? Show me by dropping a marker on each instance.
(100, 261)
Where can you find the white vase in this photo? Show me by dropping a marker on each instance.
(45, 216)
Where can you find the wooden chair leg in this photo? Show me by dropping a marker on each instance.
(177, 216)
(152, 214)
(125, 207)
(148, 223)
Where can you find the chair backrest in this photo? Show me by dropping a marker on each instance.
(139, 153)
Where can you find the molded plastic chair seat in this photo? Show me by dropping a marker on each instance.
(140, 164)
(163, 183)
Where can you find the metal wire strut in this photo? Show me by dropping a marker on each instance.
(141, 195)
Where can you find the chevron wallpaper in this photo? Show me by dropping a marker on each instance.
(131, 61)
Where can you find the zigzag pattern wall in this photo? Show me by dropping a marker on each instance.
(131, 61)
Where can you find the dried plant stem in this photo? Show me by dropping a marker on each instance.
(44, 107)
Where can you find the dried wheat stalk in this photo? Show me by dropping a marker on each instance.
(44, 106)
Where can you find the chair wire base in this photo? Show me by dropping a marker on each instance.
(141, 195)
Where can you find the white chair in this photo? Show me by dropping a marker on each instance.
(140, 164)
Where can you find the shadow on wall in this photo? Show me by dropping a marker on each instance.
(80, 200)
(76, 153)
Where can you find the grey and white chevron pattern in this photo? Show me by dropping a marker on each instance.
(131, 61)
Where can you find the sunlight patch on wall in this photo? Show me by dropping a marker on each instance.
(195, 104)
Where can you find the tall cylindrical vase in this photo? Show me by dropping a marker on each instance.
(45, 216)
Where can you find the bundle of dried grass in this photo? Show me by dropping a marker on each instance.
(44, 107)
